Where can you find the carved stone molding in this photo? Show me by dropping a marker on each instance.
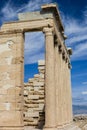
(69, 51)
(48, 31)
(14, 31)
(63, 55)
(69, 66)
(60, 48)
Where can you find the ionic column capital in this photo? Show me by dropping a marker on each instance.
(48, 31)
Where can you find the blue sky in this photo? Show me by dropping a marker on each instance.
(74, 18)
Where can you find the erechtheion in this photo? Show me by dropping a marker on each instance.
(58, 102)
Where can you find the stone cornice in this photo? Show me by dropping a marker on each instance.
(53, 8)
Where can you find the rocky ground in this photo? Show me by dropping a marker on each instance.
(81, 121)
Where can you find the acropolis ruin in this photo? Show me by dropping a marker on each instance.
(45, 102)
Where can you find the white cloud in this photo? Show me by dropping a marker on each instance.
(84, 93)
(79, 95)
(10, 11)
(84, 83)
(85, 15)
(77, 38)
(79, 75)
(80, 51)
(34, 58)
(33, 5)
(34, 47)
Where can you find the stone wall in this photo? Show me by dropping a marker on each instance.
(34, 99)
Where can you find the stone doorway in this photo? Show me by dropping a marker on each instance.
(34, 80)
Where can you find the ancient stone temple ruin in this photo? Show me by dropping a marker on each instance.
(18, 112)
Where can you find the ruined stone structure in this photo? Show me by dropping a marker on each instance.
(34, 99)
(58, 105)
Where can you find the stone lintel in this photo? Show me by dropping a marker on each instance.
(26, 26)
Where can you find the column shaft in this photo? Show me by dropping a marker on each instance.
(70, 96)
(60, 120)
(50, 100)
(66, 93)
(57, 62)
(58, 81)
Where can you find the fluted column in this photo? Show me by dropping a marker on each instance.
(57, 84)
(70, 95)
(50, 98)
(56, 81)
(66, 94)
(66, 91)
(60, 89)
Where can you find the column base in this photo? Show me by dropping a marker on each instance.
(11, 128)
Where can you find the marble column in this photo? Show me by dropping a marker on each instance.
(70, 94)
(66, 91)
(60, 89)
(66, 94)
(50, 97)
(57, 62)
